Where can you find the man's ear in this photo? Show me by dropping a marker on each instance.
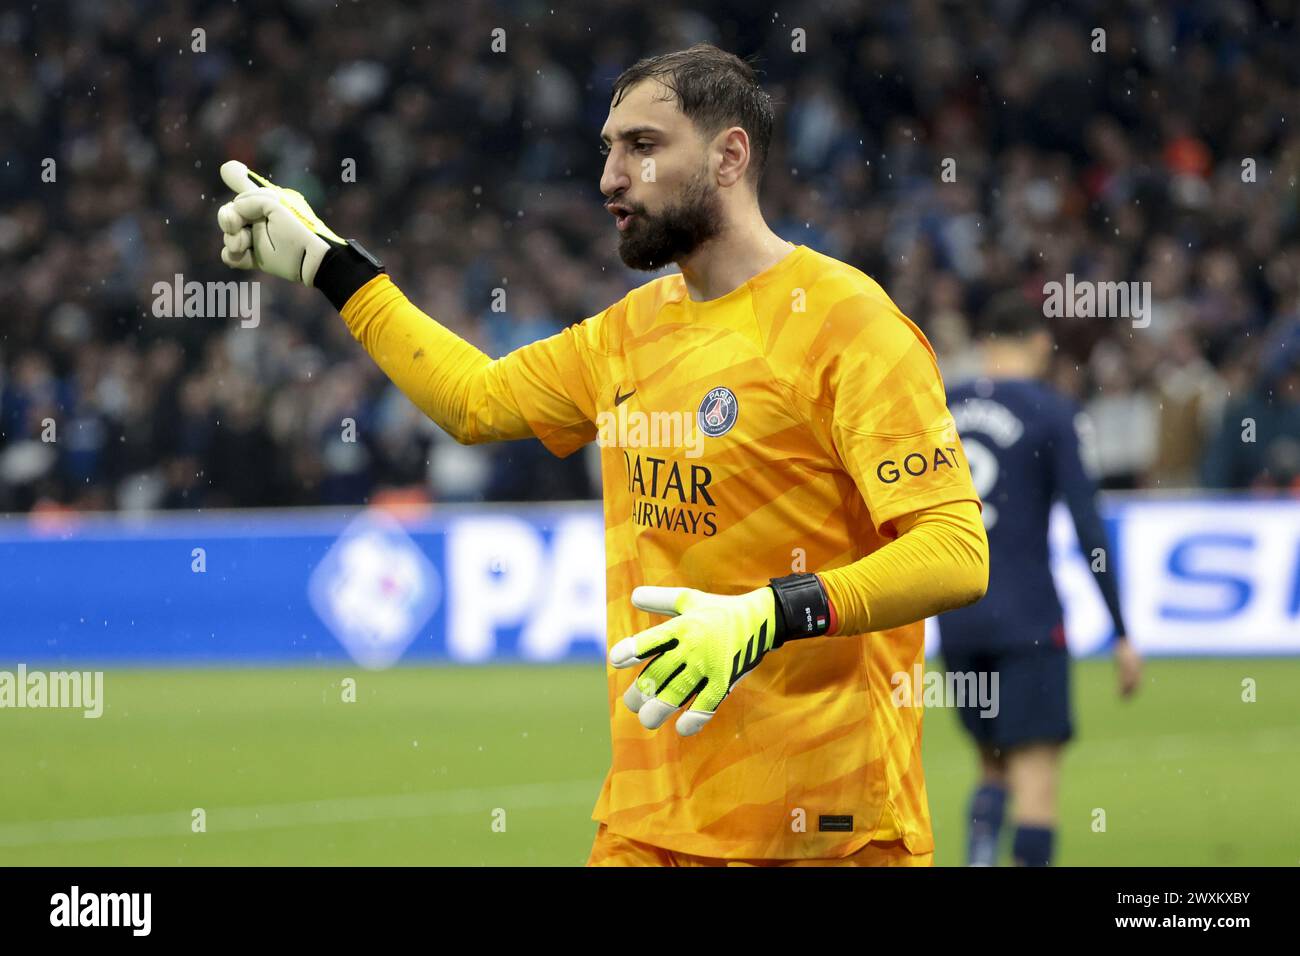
(736, 156)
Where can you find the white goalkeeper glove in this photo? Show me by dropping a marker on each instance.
(271, 228)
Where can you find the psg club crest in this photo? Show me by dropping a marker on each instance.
(718, 412)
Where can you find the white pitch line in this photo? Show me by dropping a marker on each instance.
(312, 813)
(527, 796)
(1175, 746)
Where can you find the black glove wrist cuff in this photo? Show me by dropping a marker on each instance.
(344, 270)
(802, 608)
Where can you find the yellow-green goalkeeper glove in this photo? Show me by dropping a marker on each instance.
(711, 642)
(271, 228)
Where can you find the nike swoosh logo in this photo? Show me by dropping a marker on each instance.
(619, 399)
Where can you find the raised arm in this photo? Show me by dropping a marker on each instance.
(543, 389)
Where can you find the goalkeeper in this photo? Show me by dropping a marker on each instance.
(769, 591)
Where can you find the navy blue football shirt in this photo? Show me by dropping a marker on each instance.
(1022, 442)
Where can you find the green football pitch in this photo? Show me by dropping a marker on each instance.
(501, 765)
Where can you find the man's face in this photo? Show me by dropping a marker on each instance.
(657, 179)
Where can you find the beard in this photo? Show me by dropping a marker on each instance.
(653, 241)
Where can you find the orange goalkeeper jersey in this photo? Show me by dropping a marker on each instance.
(781, 427)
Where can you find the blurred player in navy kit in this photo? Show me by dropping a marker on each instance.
(1022, 442)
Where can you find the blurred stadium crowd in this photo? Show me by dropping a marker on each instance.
(478, 170)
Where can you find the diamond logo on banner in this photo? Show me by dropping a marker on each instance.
(375, 589)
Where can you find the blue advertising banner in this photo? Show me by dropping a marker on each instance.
(474, 584)
(268, 587)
